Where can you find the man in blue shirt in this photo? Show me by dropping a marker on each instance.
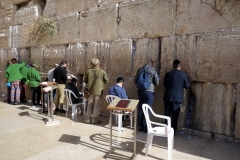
(118, 90)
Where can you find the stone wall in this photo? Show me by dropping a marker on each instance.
(203, 34)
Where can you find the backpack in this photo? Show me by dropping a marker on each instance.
(143, 82)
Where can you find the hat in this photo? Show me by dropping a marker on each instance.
(95, 62)
(34, 65)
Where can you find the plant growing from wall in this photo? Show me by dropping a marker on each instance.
(42, 26)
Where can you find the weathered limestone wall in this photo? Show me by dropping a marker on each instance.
(203, 34)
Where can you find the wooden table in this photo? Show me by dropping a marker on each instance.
(132, 109)
(47, 87)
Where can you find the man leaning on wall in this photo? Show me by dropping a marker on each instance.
(174, 81)
(95, 79)
(60, 75)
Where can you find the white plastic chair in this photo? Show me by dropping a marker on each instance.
(68, 93)
(109, 99)
(161, 129)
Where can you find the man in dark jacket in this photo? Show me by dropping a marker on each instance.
(73, 87)
(60, 75)
(146, 95)
(175, 81)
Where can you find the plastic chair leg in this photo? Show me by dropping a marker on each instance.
(149, 143)
(73, 111)
(119, 122)
(170, 147)
(67, 110)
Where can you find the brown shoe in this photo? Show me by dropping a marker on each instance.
(96, 121)
(87, 121)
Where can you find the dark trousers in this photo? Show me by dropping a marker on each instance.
(23, 92)
(172, 108)
(9, 94)
(36, 90)
(145, 97)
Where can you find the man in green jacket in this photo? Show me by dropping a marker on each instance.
(24, 83)
(13, 76)
(95, 79)
(34, 80)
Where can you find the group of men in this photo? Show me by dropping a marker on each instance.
(18, 76)
(174, 81)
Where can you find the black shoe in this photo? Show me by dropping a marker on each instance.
(57, 109)
(62, 111)
(140, 129)
(24, 101)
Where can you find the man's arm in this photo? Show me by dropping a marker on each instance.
(105, 77)
(164, 80)
(186, 83)
(86, 78)
(155, 79)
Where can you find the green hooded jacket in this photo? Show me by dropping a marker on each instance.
(13, 72)
(33, 77)
(24, 72)
(95, 79)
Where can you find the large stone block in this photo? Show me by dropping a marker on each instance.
(3, 60)
(146, 49)
(236, 116)
(203, 16)
(36, 54)
(20, 36)
(3, 87)
(50, 8)
(67, 31)
(64, 7)
(6, 2)
(27, 14)
(107, 2)
(53, 55)
(5, 37)
(85, 5)
(19, 1)
(120, 58)
(101, 50)
(76, 58)
(213, 109)
(152, 18)
(218, 58)
(24, 55)
(98, 24)
(7, 13)
(182, 48)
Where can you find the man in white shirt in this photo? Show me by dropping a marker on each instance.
(51, 77)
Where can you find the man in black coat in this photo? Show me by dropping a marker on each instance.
(60, 75)
(73, 87)
(175, 81)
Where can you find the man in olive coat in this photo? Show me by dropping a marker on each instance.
(95, 79)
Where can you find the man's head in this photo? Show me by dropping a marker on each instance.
(63, 63)
(95, 62)
(14, 60)
(56, 65)
(151, 63)
(120, 80)
(74, 81)
(176, 64)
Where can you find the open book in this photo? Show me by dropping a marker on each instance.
(123, 103)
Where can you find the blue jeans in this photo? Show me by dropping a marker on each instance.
(145, 97)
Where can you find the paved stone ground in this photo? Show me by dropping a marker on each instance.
(24, 135)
